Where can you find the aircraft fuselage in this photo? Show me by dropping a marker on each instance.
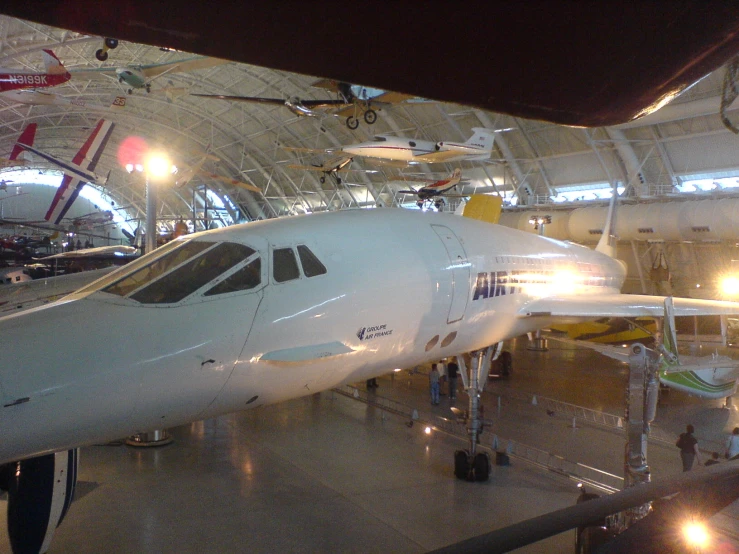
(399, 289)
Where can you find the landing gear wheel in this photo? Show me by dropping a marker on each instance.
(111, 43)
(148, 87)
(322, 179)
(101, 55)
(461, 464)
(370, 116)
(130, 91)
(352, 122)
(338, 180)
(438, 205)
(481, 467)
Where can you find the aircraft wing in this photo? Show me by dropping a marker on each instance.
(310, 104)
(230, 181)
(622, 305)
(150, 71)
(188, 64)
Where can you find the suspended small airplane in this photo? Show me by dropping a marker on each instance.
(436, 190)
(16, 79)
(401, 151)
(330, 167)
(77, 172)
(184, 175)
(141, 76)
(351, 101)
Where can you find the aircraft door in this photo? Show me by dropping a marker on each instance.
(460, 271)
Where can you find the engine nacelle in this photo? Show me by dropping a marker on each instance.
(39, 495)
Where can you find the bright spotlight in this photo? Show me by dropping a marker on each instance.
(129, 167)
(158, 165)
(427, 430)
(696, 535)
(730, 286)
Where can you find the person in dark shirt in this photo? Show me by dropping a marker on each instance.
(688, 446)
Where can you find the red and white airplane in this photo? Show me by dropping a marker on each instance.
(437, 190)
(16, 79)
(78, 172)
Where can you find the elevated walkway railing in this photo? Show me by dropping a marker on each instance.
(603, 480)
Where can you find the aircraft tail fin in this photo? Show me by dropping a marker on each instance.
(26, 139)
(484, 207)
(87, 157)
(669, 337)
(607, 243)
(52, 64)
(482, 138)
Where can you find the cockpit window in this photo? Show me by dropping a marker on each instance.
(245, 278)
(284, 265)
(312, 266)
(133, 266)
(194, 274)
(159, 267)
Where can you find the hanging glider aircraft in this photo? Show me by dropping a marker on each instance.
(276, 309)
(141, 76)
(16, 79)
(77, 172)
(351, 101)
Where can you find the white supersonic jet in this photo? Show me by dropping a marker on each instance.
(267, 311)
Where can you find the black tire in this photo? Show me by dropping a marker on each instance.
(148, 88)
(482, 467)
(338, 180)
(101, 55)
(370, 116)
(461, 464)
(130, 91)
(111, 43)
(322, 179)
(352, 122)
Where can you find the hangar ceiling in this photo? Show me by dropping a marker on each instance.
(534, 161)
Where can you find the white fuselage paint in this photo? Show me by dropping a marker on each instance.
(402, 288)
(413, 151)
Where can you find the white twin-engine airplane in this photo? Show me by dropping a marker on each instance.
(254, 314)
(478, 147)
(78, 172)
